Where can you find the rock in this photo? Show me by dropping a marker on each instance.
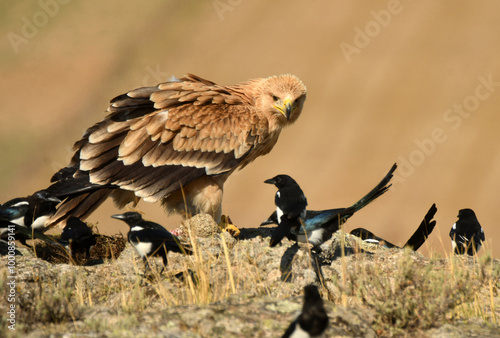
(200, 226)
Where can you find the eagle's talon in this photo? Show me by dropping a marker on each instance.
(226, 224)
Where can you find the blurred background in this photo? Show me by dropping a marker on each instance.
(412, 82)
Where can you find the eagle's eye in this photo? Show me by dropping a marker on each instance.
(275, 98)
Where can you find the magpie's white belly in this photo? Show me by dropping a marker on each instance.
(143, 248)
(315, 237)
(39, 222)
(18, 221)
(299, 333)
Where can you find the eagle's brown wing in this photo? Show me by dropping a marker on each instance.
(157, 138)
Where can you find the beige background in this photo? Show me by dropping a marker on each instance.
(408, 68)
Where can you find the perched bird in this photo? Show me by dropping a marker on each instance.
(7, 227)
(414, 242)
(177, 143)
(77, 237)
(466, 234)
(38, 207)
(29, 214)
(318, 226)
(313, 320)
(291, 206)
(151, 239)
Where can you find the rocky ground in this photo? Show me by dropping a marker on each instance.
(243, 288)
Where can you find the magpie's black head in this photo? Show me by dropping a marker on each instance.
(46, 197)
(130, 217)
(281, 180)
(311, 293)
(466, 214)
(74, 222)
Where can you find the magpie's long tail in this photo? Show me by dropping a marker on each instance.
(79, 197)
(423, 231)
(376, 192)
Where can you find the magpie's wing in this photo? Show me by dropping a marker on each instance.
(453, 233)
(423, 231)
(479, 236)
(281, 231)
(273, 219)
(10, 213)
(322, 219)
(290, 330)
(159, 236)
(292, 201)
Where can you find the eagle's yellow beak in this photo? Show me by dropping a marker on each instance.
(286, 108)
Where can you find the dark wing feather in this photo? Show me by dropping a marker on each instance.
(158, 237)
(423, 231)
(282, 230)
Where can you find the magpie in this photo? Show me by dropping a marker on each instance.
(313, 320)
(291, 206)
(416, 240)
(28, 214)
(151, 239)
(319, 225)
(19, 232)
(77, 237)
(466, 234)
(7, 215)
(39, 207)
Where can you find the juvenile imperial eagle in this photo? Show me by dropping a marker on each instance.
(177, 143)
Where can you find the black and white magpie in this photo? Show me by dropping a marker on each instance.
(7, 227)
(318, 225)
(151, 239)
(40, 206)
(416, 240)
(29, 213)
(291, 206)
(77, 237)
(313, 320)
(466, 234)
